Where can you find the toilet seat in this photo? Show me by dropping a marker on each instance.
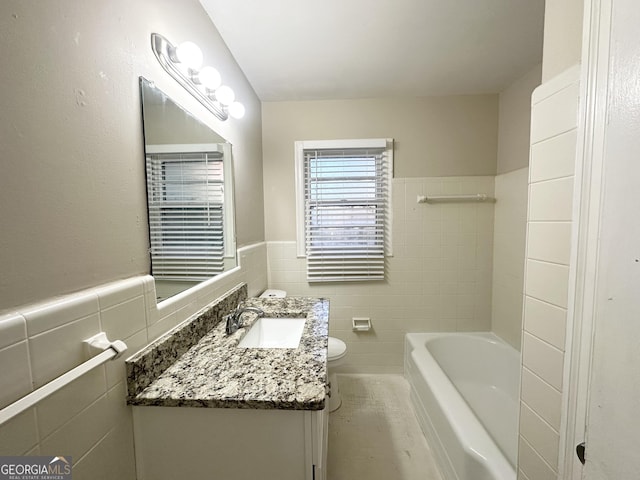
(337, 349)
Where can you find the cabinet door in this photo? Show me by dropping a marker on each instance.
(319, 439)
(223, 443)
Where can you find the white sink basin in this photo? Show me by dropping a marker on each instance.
(274, 333)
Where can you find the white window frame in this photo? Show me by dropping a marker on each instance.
(302, 145)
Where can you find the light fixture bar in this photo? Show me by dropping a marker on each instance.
(163, 49)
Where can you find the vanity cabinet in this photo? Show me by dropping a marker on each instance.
(174, 443)
(206, 409)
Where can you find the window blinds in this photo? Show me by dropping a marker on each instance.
(186, 198)
(346, 204)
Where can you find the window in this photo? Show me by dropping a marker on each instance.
(343, 208)
(186, 214)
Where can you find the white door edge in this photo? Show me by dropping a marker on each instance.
(585, 239)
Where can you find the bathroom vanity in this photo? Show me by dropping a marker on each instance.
(204, 407)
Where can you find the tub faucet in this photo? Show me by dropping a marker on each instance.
(233, 320)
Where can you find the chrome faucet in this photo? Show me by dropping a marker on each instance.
(233, 320)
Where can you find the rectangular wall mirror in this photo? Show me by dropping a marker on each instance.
(189, 195)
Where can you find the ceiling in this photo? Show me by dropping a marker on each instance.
(337, 49)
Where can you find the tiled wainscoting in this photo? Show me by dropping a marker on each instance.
(438, 279)
(88, 419)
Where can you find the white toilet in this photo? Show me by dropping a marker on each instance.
(337, 351)
(335, 357)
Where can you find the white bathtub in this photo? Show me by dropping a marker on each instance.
(464, 388)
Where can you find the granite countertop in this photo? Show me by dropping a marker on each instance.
(215, 373)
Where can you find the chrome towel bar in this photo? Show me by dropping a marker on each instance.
(475, 197)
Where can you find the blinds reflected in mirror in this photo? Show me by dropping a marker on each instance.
(186, 214)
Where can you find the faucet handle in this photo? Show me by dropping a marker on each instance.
(231, 323)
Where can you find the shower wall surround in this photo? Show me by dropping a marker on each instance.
(509, 238)
(554, 121)
(439, 277)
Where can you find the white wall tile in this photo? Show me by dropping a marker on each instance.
(508, 255)
(57, 351)
(551, 200)
(545, 321)
(34, 452)
(554, 158)
(522, 475)
(148, 285)
(374, 347)
(67, 402)
(122, 320)
(532, 464)
(13, 329)
(111, 458)
(119, 292)
(371, 362)
(550, 241)
(46, 316)
(506, 311)
(81, 432)
(539, 433)
(542, 398)
(15, 374)
(543, 359)
(547, 282)
(553, 151)
(555, 114)
(20, 434)
(439, 279)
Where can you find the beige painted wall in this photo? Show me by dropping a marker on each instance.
(434, 137)
(72, 196)
(562, 36)
(514, 122)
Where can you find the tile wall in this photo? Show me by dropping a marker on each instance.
(438, 279)
(509, 238)
(88, 419)
(551, 171)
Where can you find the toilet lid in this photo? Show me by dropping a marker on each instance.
(337, 349)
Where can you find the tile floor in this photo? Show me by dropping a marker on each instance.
(375, 435)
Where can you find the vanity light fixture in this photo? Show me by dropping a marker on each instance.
(184, 64)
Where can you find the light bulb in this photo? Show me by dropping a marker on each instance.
(210, 78)
(236, 110)
(225, 95)
(189, 54)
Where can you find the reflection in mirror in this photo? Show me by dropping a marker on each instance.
(189, 195)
